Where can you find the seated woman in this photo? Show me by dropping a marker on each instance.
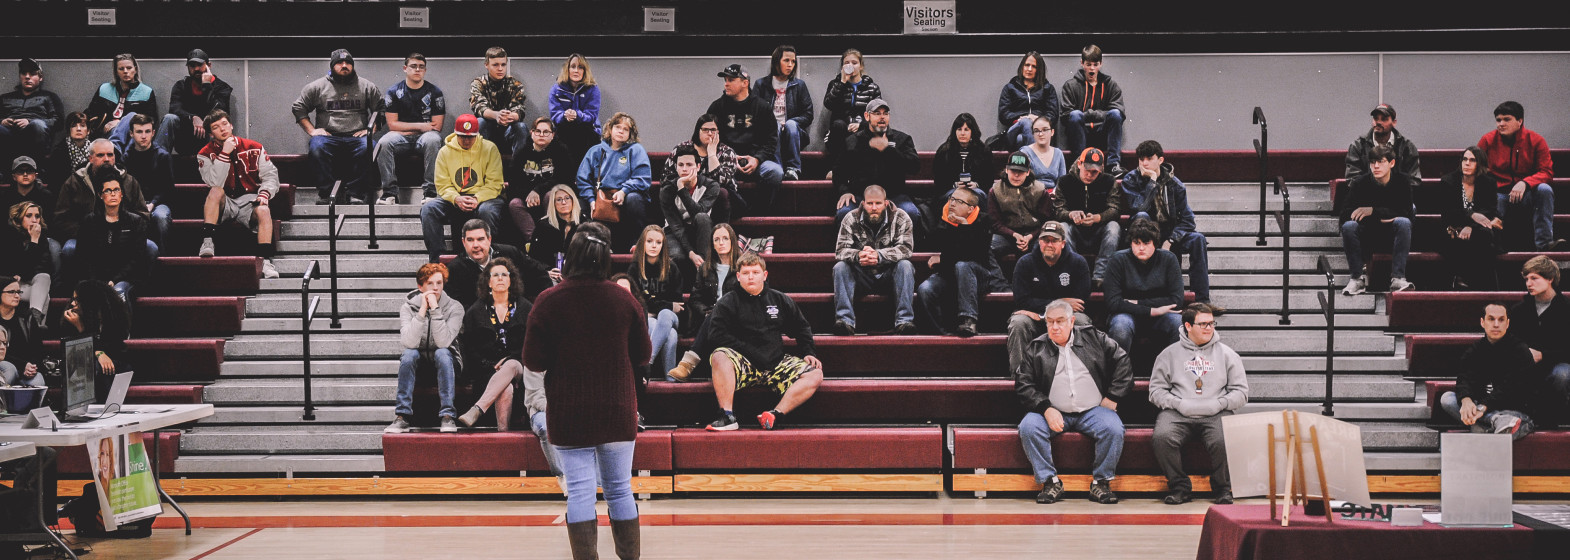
(716, 161)
(493, 331)
(1046, 160)
(537, 169)
(25, 333)
(692, 203)
(96, 310)
(1025, 98)
(549, 244)
(846, 99)
(716, 278)
(24, 254)
(1469, 210)
(963, 158)
(9, 372)
(617, 169)
(429, 323)
(112, 246)
(575, 106)
(71, 153)
(116, 101)
(658, 281)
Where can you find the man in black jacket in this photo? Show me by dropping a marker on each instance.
(1092, 102)
(29, 116)
(963, 271)
(747, 125)
(1377, 207)
(192, 99)
(692, 204)
(1144, 289)
(1090, 202)
(745, 329)
(1494, 390)
(1052, 272)
(877, 155)
(464, 271)
(1542, 321)
(1382, 133)
(1072, 379)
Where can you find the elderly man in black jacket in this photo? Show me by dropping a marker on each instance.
(1072, 380)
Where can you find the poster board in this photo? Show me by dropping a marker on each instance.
(124, 478)
(1476, 480)
(1248, 455)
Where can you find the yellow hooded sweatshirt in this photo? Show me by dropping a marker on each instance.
(475, 172)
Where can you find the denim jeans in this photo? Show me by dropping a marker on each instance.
(852, 280)
(1101, 239)
(792, 139)
(1452, 406)
(1559, 381)
(390, 144)
(1074, 132)
(1197, 248)
(966, 284)
(438, 215)
(10, 375)
(508, 139)
(1122, 326)
(120, 136)
(902, 201)
(32, 140)
(662, 335)
(161, 218)
(444, 380)
(1539, 201)
(334, 153)
(609, 465)
(1019, 135)
(175, 134)
(537, 424)
(1355, 234)
(1102, 425)
(68, 258)
(768, 176)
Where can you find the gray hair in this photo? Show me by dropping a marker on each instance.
(1068, 308)
(100, 141)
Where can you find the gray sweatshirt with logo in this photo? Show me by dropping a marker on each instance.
(1198, 381)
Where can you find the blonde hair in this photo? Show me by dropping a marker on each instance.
(632, 127)
(20, 209)
(550, 204)
(566, 68)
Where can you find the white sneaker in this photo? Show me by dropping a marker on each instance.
(268, 270)
(207, 248)
(449, 426)
(1358, 285)
(1401, 285)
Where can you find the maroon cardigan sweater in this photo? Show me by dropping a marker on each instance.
(585, 335)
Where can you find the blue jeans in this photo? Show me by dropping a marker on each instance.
(161, 218)
(1122, 326)
(768, 175)
(174, 134)
(332, 153)
(387, 148)
(662, 335)
(633, 211)
(609, 464)
(1354, 234)
(1100, 423)
(1539, 201)
(1452, 406)
(792, 139)
(508, 139)
(1198, 249)
(966, 283)
(537, 424)
(120, 135)
(1101, 239)
(1559, 380)
(1019, 135)
(67, 257)
(32, 140)
(445, 372)
(435, 215)
(851, 280)
(902, 201)
(1074, 130)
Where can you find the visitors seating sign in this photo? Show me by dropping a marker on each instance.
(923, 17)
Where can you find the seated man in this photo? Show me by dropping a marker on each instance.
(428, 326)
(1383, 133)
(1196, 383)
(747, 125)
(80, 195)
(1542, 321)
(1498, 379)
(343, 104)
(963, 271)
(1152, 192)
(469, 185)
(195, 96)
(497, 99)
(478, 249)
(872, 254)
(1144, 289)
(415, 112)
(692, 203)
(1093, 102)
(745, 329)
(111, 244)
(1020, 205)
(877, 154)
(1519, 159)
(1051, 272)
(25, 187)
(1378, 206)
(242, 182)
(154, 170)
(1087, 200)
(30, 115)
(1072, 380)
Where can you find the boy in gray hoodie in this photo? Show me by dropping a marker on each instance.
(429, 324)
(1195, 382)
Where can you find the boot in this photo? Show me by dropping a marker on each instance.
(584, 536)
(628, 537)
(683, 369)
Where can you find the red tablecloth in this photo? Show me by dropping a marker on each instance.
(1246, 532)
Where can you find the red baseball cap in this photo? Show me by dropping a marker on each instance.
(467, 125)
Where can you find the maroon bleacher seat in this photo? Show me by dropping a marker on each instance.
(1436, 355)
(808, 448)
(196, 276)
(170, 359)
(176, 316)
(846, 401)
(1442, 311)
(1072, 453)
(498, 451)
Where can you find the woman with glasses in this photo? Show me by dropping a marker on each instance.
(1046, 160)
(716, 161)
(24, 254)
(21, 336)
(549, 243)
(1469, 211)
(112, 242)
(543, 164)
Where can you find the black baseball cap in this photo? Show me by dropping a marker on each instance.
(28, 65)
(1383, 109)
(196, 56)
(733, 71)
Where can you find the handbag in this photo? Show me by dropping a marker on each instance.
(605, 209)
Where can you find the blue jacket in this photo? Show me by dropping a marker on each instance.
(585, 100)
(1016, 102)
(1138, 191)
(798, 102)
(1036, 284)
(626, 169)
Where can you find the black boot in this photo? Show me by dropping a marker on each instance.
(584, 536)
(628, 537)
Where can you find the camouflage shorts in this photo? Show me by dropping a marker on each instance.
(778, 379)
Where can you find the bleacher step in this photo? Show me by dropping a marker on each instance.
(1272, 241)
(1309, 387)
(393, 265)
(383, 367)
(1392, 436)
(1398, 411)
(1308, 320)
(250, 392)
(309, 209)
(1216, 225)
(290, 284)
(1427, 461)
(322, 323)
(1255, 261)
(1266, 300)
(291, 415)
(283, 439)
(1225, 280)
(384, 245)
(280, 463)
(1344, 364)
(354, 228)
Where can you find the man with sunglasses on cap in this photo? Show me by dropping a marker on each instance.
(1090, 203)
(963, 271)
(29, 115)
(194, 97)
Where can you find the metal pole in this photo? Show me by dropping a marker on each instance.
(1261, 150)
(372, 244)
(333, 220)
(307, 314)
(1327, 300)
(1286, 251)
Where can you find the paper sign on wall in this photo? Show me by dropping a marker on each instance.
(416, 18)
(101, 16)
(930, 17)
(659, 19)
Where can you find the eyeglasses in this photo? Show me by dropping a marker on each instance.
(12, 292)
(962, 201)
(114, 190)
(543, 132)
(1041, 131)
(500, 274)
(708, 129)
(1205, 324)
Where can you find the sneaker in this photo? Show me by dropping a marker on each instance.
(388, 200)
(472, 416)
(1117, 170)
(843, 328)
(1225, 498)
(323, 200)
(792, 174)
(641, 424)
(206, 251)
(1050, 492)
(1508, 427)
(357, 199)
(268, 270)
(905, 328)
(1176, 497)
(449, 426)
(1558, 245)
(398, 426)
(967, 327)
(770, 419)
(1357, 286)
(725, 423)
(1101, 493)
(1401, 285)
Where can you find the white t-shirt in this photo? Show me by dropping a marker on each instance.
(779, 100)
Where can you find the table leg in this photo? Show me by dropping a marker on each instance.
(157, 483)
(39, 481)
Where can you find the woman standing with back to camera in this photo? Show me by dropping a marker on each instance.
(586, 333)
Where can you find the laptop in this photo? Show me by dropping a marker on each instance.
(80, 366)
(116, 398)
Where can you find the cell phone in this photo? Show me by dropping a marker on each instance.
(964, 177)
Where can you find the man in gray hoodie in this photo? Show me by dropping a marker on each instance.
(343, 104)
(429, 324)
(1195, 382)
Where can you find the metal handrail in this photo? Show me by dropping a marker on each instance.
(334, 222)
(1262, 151)
(1284, 221)
(371, 213)
(1327, 302)
(307, 315)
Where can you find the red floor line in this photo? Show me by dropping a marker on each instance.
(221, 546)
(692, 520)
